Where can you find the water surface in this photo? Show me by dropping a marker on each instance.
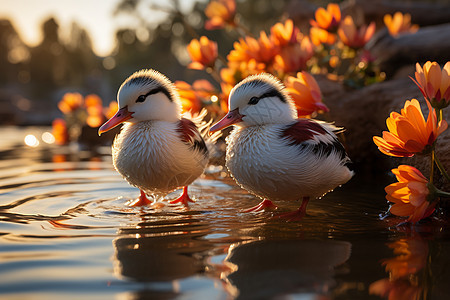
(66, 233)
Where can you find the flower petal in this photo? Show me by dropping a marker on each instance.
(401, 209)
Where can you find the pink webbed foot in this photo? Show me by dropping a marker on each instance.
(263, 205)
(183, 199)
(296, 215)
(140, 201)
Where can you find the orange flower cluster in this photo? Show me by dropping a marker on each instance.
(94, 109)
(409, 133)
(80, 111)
(340, 47)
(414, 196)
(434, 83)
(71, 102)
(328, 22)
(194, 97)
(220, 13)
(409, 194)
(399, 23)
(60, 132)
(325, 25)
(285, 50)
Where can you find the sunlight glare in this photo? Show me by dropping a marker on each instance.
(48, 137)
(31, 140)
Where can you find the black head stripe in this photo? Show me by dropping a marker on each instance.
(160, 90)
(273, 93)
(143, 80)
(269, 94)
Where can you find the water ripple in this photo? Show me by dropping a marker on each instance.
(65, 230)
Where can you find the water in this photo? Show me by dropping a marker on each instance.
(65, 232)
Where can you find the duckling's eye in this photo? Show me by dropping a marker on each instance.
(141, 98)
(253, 101)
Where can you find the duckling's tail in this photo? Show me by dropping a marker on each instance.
(203, 127)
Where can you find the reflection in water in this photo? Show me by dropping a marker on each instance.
(406, 270)
(419, 269)
(161, 250)
(268, 269)
(66, 233)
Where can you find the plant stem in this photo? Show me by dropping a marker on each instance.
(242, 30)
(213, 72)
(440, 193)
(432, 165)
(441, 168)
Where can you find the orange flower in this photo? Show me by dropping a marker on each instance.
(203, 53)
(189, 98)
(399, 23)
(408, 132)
(284, 34)
(434, 83)
(351, 36)
(226, 89)
(92, 100)
(70, 102)
(267, 49)
(306, 94)
(294, 58)
(262, 50)
(230, 76)
(111, 110)
(59, 131)
(321, 36)
(409, 194)
(237, 71)
(243, 50)
(220, 14)
(328, 19)
(94, 110)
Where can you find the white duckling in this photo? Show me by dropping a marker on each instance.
(157, 150)
(273, 154)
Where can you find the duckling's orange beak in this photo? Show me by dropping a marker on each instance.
(232, 117)
(121, 116)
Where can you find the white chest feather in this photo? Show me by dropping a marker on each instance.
(264, 163)
(151, 156)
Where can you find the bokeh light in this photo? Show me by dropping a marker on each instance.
(31, 141)
(48, 138)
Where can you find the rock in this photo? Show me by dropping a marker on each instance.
(429, 43)
(422, 13)
(363, 114)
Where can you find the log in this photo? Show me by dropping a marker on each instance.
(429, 43)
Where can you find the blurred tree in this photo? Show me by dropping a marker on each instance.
(47, 63)
(14, 54)
(81, 59)
(57, 64)
(165, 47)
